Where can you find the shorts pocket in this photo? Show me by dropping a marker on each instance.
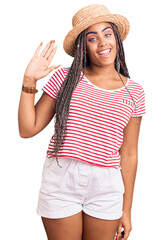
(117, 181)
(53, 175)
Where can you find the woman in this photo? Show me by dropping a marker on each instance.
(89, 173)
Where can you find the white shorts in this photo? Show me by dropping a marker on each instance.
(80, 186)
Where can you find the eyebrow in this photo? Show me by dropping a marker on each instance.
(96, 32)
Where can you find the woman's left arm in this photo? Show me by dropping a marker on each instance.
(129, 160)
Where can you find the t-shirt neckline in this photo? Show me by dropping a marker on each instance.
(107, 90)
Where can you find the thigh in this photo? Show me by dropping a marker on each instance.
(99, 229)
(69, 228)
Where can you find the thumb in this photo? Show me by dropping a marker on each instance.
(52, 68)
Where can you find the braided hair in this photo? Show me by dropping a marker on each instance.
(80, 62)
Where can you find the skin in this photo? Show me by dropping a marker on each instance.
(33, 118)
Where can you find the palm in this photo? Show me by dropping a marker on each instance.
(38, 66)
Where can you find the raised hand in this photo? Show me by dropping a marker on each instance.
(38, 67)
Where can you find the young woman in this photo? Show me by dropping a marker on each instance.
(89, 172)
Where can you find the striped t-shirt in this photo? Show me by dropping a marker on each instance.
(96, 119)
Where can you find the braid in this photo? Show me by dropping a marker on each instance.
(81, 60)
(66, 91)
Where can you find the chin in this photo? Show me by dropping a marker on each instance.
(102, 62)
(109, 63)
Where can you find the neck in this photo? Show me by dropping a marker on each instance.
(108, 71)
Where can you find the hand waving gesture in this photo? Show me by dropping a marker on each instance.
(38, 67)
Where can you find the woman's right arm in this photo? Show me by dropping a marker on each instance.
(34, 118)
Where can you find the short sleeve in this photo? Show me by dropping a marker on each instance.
(53, 85)
(139, 107)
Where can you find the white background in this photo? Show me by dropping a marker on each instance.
(24, 24)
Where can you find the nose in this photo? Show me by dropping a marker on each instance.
(102, 43)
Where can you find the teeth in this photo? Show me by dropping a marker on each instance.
(105, 51)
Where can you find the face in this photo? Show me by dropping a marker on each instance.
(101, 44)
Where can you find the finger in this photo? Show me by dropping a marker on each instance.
(49, 50)
(119, 229)
(38, 49)
(45, 49)
(49, 59)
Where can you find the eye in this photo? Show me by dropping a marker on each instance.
(108, 34)
(91, 39)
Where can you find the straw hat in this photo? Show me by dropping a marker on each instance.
(89, 15)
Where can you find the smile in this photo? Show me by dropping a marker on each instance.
(104, 53)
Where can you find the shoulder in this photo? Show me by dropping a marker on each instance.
(135, 86)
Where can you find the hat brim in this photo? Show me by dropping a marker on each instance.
(121, 22)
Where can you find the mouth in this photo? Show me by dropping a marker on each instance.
(105, 52)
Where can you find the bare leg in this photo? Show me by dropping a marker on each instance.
(69, 228)
(99, 229)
